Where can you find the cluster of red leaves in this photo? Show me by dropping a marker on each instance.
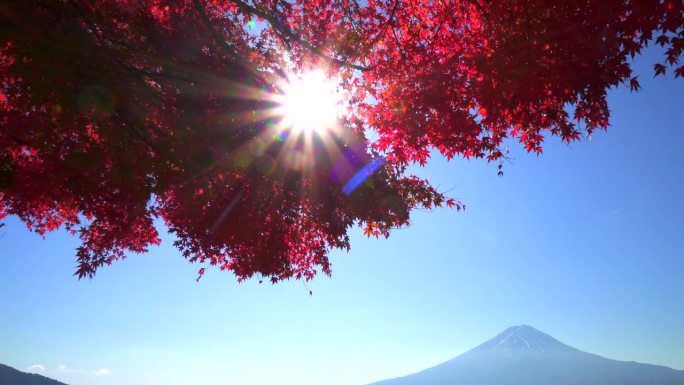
(463, 76)
(117, 112)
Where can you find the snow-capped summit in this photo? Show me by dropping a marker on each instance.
(521, 340)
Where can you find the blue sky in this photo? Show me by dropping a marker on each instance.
(583, 243)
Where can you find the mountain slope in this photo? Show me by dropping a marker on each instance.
(11, 376)
(522, 355)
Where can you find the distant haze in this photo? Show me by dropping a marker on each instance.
(522, 355)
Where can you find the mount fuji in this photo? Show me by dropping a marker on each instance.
(522, 355)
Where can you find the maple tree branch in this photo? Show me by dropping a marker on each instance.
(389, 23)
(396, 39)
(18, 141)
(287, 33)
(214, 35)
(484, 13)
(401, 51)
(479, 8)
(83, 16)
(392, 13)
(348, 14)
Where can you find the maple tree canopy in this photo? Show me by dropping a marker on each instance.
(116, 112)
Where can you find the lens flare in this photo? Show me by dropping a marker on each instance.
(362, 175)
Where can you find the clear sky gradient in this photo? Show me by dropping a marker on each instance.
(583, 243)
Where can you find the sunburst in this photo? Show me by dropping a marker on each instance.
(310, 103)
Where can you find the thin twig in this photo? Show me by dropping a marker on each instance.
(479, 7)
(401, 51)
(388, 23)
(287, 33)
(217, 38)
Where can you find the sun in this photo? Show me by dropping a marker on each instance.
(310, 103)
